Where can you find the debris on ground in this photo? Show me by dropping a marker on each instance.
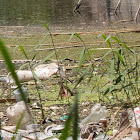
(15, 112)
(97, 112)
(129, 130)
(91, 128)
(54, 129)
(136, 123)
(36, 105)
(17, 95)
(42, 71)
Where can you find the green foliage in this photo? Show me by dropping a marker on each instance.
(72, 120)
(123, 69)
(84, 74)
(45, 59)
(40, 42)
(119, 73)
(11, 68)
(82, 58)
(18, 126)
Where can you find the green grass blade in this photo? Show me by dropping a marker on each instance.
(23, 66)
(23, 51)
(11, 68)
(116, 39)
(99, 35)
(89, 53)
(83, 75)
(33, 57)
(71, 37)
(107, 91)
(46, 26)
(125, 46)
(15, 48)
(118, 79)
(72, 118)
(40, 42)
(46, 58)
(76, 119)
(112, 66)
(77, 35)
(119, 61)
(120, 57)
(18, 125)
(82, 58)
(36, 78)
(66, 130)
(110, 51)
(107, 39)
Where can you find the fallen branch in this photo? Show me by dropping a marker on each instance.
(118, 5)
(84, 65)
(12, 100)
(17, 134)
(22, 61)
(35, 99)
(74, 46)
(135, 19)
(77, 46)
(49, 49)
(122, 21)
(125, 130)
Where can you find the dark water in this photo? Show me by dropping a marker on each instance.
(60, 12)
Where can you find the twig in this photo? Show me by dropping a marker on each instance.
(78, 5)
(76, 66)
(49, 49)
(74, 46)
(12, 100)
(22, 61)
(123, 130)
(135, 19)
(119, 2)
(13, 134)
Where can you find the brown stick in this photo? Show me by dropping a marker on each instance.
(12, 100)
(22, 61)
(135, 19)
(49, 49)
(20, 134)
(74, 46)
(119, 2)
(127, 127)
(84, 65)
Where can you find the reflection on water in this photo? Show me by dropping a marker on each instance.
(60, 12)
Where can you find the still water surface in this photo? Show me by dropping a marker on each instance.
(60, 12)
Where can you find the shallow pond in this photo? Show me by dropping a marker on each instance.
(60, 12)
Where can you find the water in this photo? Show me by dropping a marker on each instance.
(60, 12)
